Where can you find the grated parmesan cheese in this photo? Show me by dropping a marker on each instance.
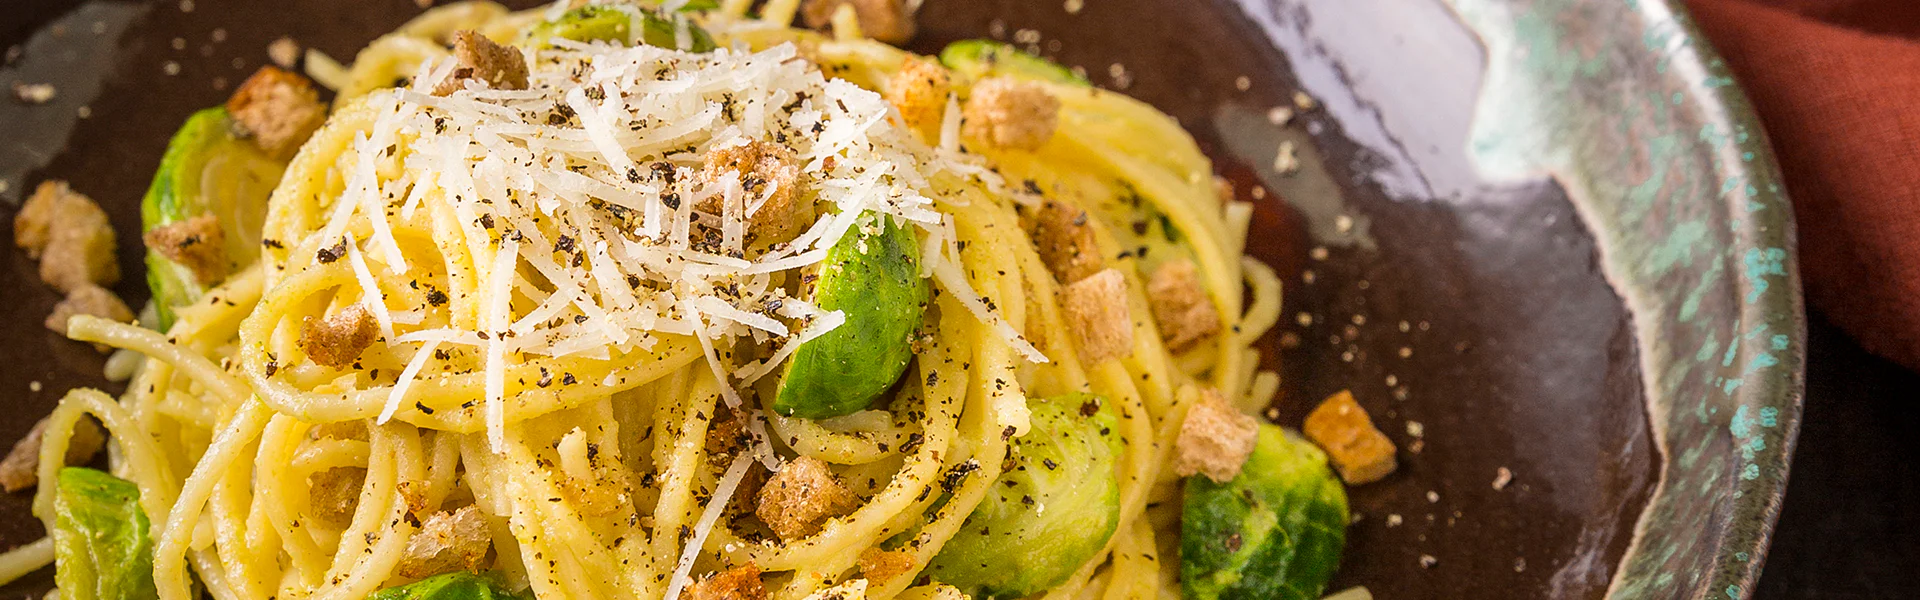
(593, 177)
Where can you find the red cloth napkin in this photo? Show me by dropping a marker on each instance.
(1837, 84)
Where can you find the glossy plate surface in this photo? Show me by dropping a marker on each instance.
(1535, 237)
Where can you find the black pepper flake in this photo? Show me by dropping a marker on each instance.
(546, 378)
(933, 377)
(564, 244)
(486, 221)
(1048, 462)
(436, 297)
(328, 255)
(423, 408)
(958, 474)
(579, 319)
(273, 243)
(911, 444)
(1090, 407)
(568, 379)
(273, 366)
(671, 199)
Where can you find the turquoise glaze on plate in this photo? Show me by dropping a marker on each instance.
(1664, 158)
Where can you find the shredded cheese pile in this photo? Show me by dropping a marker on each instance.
(593, 178)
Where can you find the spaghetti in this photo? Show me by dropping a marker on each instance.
(572, 308)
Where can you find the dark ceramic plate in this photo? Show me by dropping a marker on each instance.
(1536, 237)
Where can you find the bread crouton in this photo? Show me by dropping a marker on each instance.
(88, 299)
(764, 170)
(883, 565)
(21, 469)
(335, 493)
(889, 21)
(1180, 305)
(447, 541)
(196, 243)
(481, 59)
(1216, 438)
(278, 109)
(70, 236)
(1357, 450)
(1096, 310)
(1064, 239)
(1011, 113)
(738, 583)
(919, 91)
(801, 497)
(337, 341)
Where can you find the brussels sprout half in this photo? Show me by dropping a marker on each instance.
(101, 544)
(980, 59)
(872, 276)
(1276, 531)
(1049, 514)
(457, 585)
(599, 23)
(206, 169)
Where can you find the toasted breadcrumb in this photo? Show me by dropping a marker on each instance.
(1096, 310)
(889, 21)
(284, 52)
(336, 341)
(1064, 239)
(70, 236)
(801, 497)
(1216, 438)
(335, 493)
(21, 469)
(1010, 113)
(919, 91)
(764, 169)
(481, 59)
(883, 565)
(738, 583)
(1180, 305)
(196, 243)
(88, 299)
(1358, 451)
(447, 541)
(279, 109)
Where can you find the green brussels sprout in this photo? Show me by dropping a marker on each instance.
(207, 169)
(980, 59)
(1051, 512)
(1276, 531)
(872, 276)
(457, 585)
(102, 549)
(599, 23)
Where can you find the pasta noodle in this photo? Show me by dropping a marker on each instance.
(572, 406)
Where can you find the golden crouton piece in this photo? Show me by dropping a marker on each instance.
(1011, 113)
(1064, 239)
(447, 541)
(1358, 451)
(70, 236)
(21, 469)
(764, 169)
(919, 91)
(88, 299)
(1180, 305)
(801, 497)
(279, 109)
(481, 59)
(338, 340)
(738, 583)
(335, 494)
(1216, 438)
(196, 243)
(1096, 311)
(888, 21)
(882, 565)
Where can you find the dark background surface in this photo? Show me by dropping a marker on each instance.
(1851, 524)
